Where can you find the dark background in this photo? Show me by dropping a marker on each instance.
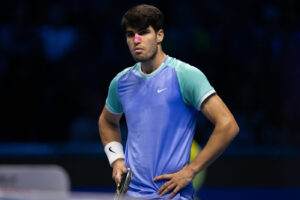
(57, 59)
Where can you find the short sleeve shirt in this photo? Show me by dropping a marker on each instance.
(161, 111)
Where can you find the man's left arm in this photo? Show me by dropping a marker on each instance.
(224, 132)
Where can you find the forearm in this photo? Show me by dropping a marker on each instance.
(217, 143)
(109, 128)
(109, 131)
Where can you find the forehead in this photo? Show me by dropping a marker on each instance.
(135, 30)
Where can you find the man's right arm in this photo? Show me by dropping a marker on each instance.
(109, 128)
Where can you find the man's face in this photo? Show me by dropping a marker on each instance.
(143, 44)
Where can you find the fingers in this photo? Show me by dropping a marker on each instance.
(166, 188)
(161, 177)
(119, 168)
(117, 176)
(169, 186)
(176, 182)
(175, 191)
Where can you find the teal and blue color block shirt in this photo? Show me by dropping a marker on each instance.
(161, 112)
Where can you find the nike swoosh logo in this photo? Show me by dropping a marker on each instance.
(161, 90)
(111, 150)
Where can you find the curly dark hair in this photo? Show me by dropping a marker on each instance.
(142, 16)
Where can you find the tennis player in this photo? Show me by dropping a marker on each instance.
(160, 97)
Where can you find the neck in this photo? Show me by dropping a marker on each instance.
(151, 65)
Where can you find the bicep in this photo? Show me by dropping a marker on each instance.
(108, 117)
(215, 110)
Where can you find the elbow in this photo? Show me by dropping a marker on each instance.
(231, 127)
(234, 128)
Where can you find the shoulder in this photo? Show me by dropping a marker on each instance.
(193, 84)
(182, 67)
(124, 72)
(185, 70)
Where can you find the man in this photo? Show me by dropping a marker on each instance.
(160, 97)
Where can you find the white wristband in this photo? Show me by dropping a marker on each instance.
(114, 151)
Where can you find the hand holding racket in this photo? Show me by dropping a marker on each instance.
(123, 185)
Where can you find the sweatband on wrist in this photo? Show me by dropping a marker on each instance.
(114, 151)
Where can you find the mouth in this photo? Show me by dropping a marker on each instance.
(138, 50)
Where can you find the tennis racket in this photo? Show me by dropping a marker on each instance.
(123, 186)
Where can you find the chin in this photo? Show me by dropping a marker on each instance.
(140, 58)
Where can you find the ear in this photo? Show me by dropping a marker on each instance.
(160, 36)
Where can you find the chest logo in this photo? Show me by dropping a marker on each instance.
(161, 90)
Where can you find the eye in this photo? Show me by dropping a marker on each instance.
(129, 34)
(143, 32)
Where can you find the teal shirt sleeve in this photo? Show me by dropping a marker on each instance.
(113, 103)
(194, 86)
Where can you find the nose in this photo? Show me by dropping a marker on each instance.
(137, 38)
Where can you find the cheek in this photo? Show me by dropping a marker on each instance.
(150, 43)
(129, 44)
(153, 45)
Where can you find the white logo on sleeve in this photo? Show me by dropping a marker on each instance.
(161, 90)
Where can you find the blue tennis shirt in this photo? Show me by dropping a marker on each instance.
(161, 111)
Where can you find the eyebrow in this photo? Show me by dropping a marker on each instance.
(131, 31)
